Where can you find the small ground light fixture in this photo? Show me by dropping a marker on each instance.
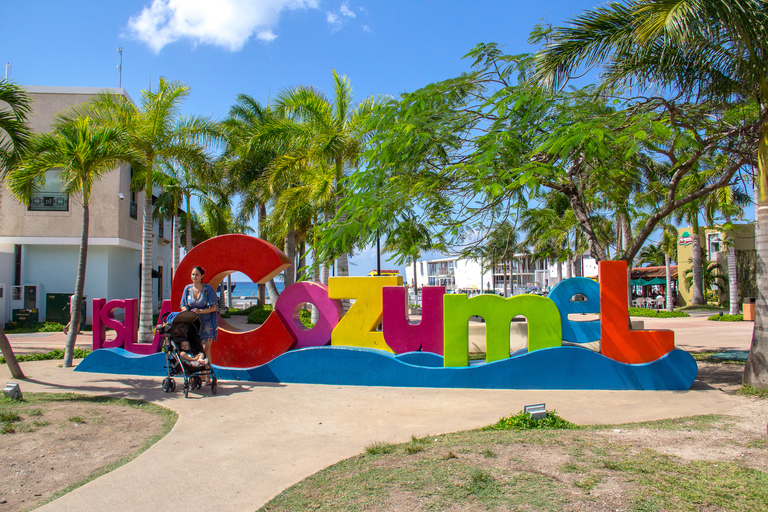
(12, 390)
(537, 411)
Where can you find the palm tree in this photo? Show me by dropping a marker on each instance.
(690, 214)
(217, 219)
(83, 152)
(245, 160)
(322, 132)
(180, 182)
(652, 254)
(14, 138)
(713, 277)
(728, 201)
(158, 132)
(712, 50)
(668, 244)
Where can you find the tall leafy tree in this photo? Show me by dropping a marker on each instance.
(712, 50)
(14, 138)
(83, 152)
(156, 129)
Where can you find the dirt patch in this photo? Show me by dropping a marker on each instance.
(48, 445)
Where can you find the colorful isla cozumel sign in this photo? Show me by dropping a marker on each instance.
(347, 349)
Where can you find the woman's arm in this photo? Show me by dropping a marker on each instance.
(184, 304)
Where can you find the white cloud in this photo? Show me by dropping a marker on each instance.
(337, 20)
(333, 19)
(225, 23)
(345, 11)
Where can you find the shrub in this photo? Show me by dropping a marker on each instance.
(245, 312)
(652, 313)
(15, 327)
(53, 354)
(726, 318)
(524, 421)
(259, 314)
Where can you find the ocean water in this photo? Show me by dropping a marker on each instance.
(250, 289)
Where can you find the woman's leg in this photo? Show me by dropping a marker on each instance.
(207, 349)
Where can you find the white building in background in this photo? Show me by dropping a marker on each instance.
(40, 243)
(461, 274)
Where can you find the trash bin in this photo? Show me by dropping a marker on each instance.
(749, 309)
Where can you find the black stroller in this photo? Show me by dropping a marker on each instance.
(180, 327)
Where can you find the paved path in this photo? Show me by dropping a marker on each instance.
(255, 440)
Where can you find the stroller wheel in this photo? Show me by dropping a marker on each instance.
(173, 385)
(213, 387)
(198, 382)
(167, 384)
(186, 390)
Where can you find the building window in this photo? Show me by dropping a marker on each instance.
(161, 228)
(50, 198)
(714, 244)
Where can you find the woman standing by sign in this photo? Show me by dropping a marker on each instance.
(201, 298)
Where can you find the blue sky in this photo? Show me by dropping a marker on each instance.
(225, 47)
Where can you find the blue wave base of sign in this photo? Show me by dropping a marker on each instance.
(551, 368)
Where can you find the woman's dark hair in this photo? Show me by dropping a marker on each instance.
(199, 269)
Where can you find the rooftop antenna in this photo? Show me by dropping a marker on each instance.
(120, 66)
(7, 71)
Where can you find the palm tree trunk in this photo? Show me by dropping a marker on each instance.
(262, 220)
(325, 269)
(176, 256)
(697, 289)
(188, 241)
(733, 283)
(229, 291)
(10, 357)
(302, 260)
(146, 309)
(559, 271)
(272, 291)
(511, 278)
(315, 315)
(756, 369)
(342, 261)
(77, 298)
(290, 251)
(668, 270)
(504, 268)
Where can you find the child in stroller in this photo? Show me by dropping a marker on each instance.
(194, 361)
(184, 353)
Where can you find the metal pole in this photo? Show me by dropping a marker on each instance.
(120, 66)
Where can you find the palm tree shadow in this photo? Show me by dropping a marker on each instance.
(149, 390)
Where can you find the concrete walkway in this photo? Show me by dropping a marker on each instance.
(252, 441)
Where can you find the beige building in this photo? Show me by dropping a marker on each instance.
(39, 243)
(714, 250)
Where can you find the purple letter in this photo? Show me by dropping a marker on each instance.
(400, 335)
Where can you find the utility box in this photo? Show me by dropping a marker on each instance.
(749, 309)
(25, 316)
(57, 307)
